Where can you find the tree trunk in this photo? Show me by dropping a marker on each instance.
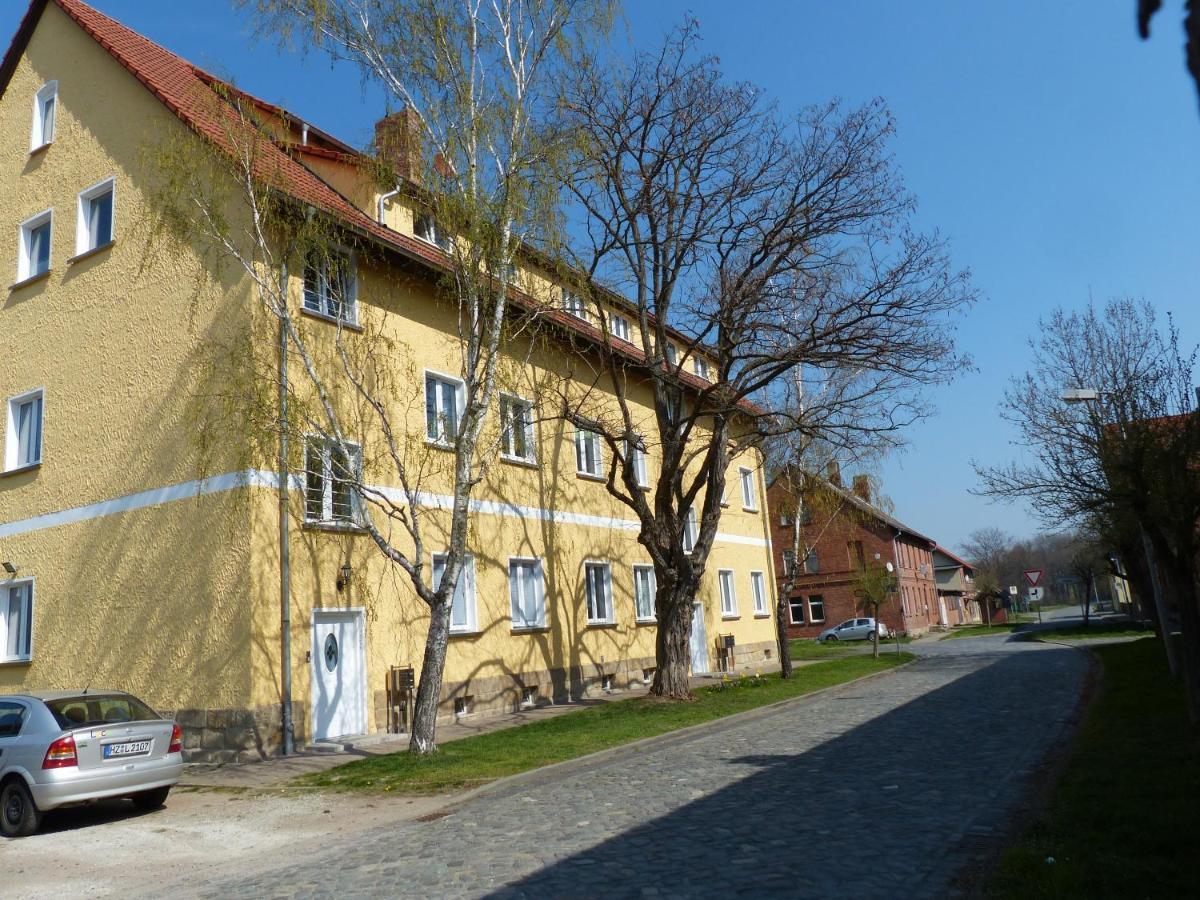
(673, 647)
(429, 690)
(781, 636)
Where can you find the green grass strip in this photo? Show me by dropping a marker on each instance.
(1123, 820)
(476, 760)
(963, 631)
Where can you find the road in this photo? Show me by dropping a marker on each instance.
(896, 785)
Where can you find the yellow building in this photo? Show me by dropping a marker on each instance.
(141, 554)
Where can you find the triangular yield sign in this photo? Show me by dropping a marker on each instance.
(1033, 576)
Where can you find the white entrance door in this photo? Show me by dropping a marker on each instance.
(339, 683)
(699, 642)
(943, 619)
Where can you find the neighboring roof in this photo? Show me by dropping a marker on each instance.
(872, 510)
(958, 561)
(187, 91)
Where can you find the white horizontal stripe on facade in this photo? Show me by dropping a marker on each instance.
(261, 478)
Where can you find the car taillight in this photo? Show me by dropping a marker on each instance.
(176, 740)
(61, 754)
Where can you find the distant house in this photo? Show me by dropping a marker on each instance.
(955, 589)
(844, 534)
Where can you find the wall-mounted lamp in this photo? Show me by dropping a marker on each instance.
(9, 567)
(344, 574)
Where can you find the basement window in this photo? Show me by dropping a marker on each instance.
(464, 706)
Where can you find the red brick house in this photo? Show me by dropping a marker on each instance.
(955, 589)
(843, 531)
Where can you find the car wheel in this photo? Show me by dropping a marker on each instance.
(832, 637)
(873, 637)
(148, 800)
(19, 815)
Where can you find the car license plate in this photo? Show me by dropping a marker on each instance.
(127, 748)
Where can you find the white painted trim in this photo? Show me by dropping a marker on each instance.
(460, 403)
(10, 430)
(37, 137)
(530, 432)
(11, 583)
(88, 194)
(24, 232)
(733, 605)
(608, 589)
(653, 617)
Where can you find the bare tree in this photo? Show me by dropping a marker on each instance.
(874, 585)
(1148, 9)
(759, 245)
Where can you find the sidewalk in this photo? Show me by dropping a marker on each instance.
(278, 771)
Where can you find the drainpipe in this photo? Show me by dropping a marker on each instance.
(383, 199)
(285, 599)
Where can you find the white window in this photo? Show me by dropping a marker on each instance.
(619, 326)
(785, 518)
(758, 585)
(16, 621)
(691, 531)
(644, 589)
(749, 490)
(516, 424)
(34, 255)
(23, 445)
(812, 563)
(597, 581)
(95, 226)
(816, 608)
(789, 563)
(588, 458)
(330, 473)
(637, 456)
(574, 305)
(331, 286)
(462, 611)
(728, 597)
(671, 354)
(700, 366)
(427, 228)
(45, 107)
(444, 400)
(796, 610)
(527, 592)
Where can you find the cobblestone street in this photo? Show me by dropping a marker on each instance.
(890, 786)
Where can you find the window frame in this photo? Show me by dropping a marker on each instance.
(793, 602)
(652, 618)
(85, 198)
(37, 128)
(732, 611)
(574, 305)
(12, 439)
(9, 586)
(812, 562)
(605, 567)
(749, 491)
(466, 584)
(620, 333)
(808, 601)
(328, 518)
(506, 402)
(460, 401)
(788, 559)
(598, 475)
(758, 594)
(25, 262)
(701, 368)
(540, 599)
(441, 238)
(348, 310)
(636, 450)
(691, 530)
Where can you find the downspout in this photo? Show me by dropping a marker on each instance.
(285, 598)
(383, 199)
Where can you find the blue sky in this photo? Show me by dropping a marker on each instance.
(1055, 151)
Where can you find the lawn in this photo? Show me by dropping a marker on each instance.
(1095, 630)
(1123, 820)
(476, 760)
(963, 631)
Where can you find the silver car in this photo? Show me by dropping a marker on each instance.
(64, 747)
(855, 630)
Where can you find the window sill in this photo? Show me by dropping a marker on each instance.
(531, 629)
(332, 320)
(32, 279)
(40, 149)
(87, 254)
(27, 661)
(588, 476)
(22, 469)
(762, 615)
(340, 527)
(601, 625)
(752, 509)
(471, 633)
(438, 445)
(519, 461)
(728, 617)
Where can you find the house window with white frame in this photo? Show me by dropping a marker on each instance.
(789, 563)
(16, 621)
(45, 110)
(444, 401)
(644, 589)
(816, 609)
(574, 305)
(812, 563)
(527, 593)
(691, 530)
(749, 490)
(701, 368)
(426, 227)
(758, 587)
(331, 286)
(330, 473)
(34, 253)
(463, 610)
(516, 425)
(597, 581)
(796, 610)
(589, 460)
(95, 226)
(671, 354)
(618, 326)
(636, 449)
(728, 594)
(23, 443)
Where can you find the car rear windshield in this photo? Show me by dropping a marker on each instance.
(99, 709)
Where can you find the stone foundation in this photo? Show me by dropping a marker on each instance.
(235, 735)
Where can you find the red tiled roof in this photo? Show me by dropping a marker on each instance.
(188, 91)
(953, 557)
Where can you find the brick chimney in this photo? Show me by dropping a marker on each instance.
(398, 143)
(862, 488)
(833, 472)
